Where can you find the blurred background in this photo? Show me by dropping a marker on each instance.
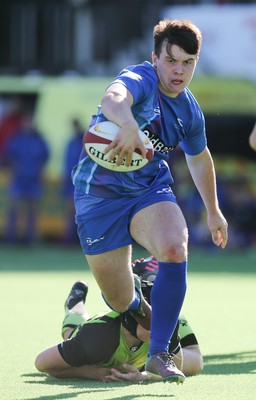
(56, 59)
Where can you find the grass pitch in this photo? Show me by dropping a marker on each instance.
(220, 305)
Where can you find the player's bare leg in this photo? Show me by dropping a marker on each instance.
(113, 273)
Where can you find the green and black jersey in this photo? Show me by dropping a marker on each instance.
(100, 341)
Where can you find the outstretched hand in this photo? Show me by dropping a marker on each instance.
(132, 375)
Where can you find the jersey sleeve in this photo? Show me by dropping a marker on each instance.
(195, 141)
(139, 79)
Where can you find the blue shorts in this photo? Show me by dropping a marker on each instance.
(104, 223)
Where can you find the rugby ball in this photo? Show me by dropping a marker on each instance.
(99, 136)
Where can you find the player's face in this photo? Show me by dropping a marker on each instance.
(175, 69)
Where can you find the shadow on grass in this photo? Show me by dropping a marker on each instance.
(227, 364)
(219, 364)
(54, 257)
(88, 387)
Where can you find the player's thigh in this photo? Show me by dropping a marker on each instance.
(112, 271)
(159, 227)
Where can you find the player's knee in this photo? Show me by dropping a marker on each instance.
(121, 303)
(174, 248)
(174, 253)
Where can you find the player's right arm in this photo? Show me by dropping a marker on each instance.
(51, 362)
(116, 106)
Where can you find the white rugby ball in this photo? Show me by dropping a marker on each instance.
(99, 136)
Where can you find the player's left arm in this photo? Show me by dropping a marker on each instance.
(192, 360)
(202, 171)
(252, 138)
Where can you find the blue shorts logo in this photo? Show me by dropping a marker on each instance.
(90, 242)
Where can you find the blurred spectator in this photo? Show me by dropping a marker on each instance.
(71, 157)
(241, 205)
(27, 154)
(252, 138)
(236, 194)
(10, 122)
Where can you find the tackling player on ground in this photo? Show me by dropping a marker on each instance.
(112, 346)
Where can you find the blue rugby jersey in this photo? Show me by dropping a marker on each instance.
(168, 122)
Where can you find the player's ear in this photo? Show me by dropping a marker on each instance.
(154, 59)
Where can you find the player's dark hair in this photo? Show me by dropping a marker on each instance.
(182, 33)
